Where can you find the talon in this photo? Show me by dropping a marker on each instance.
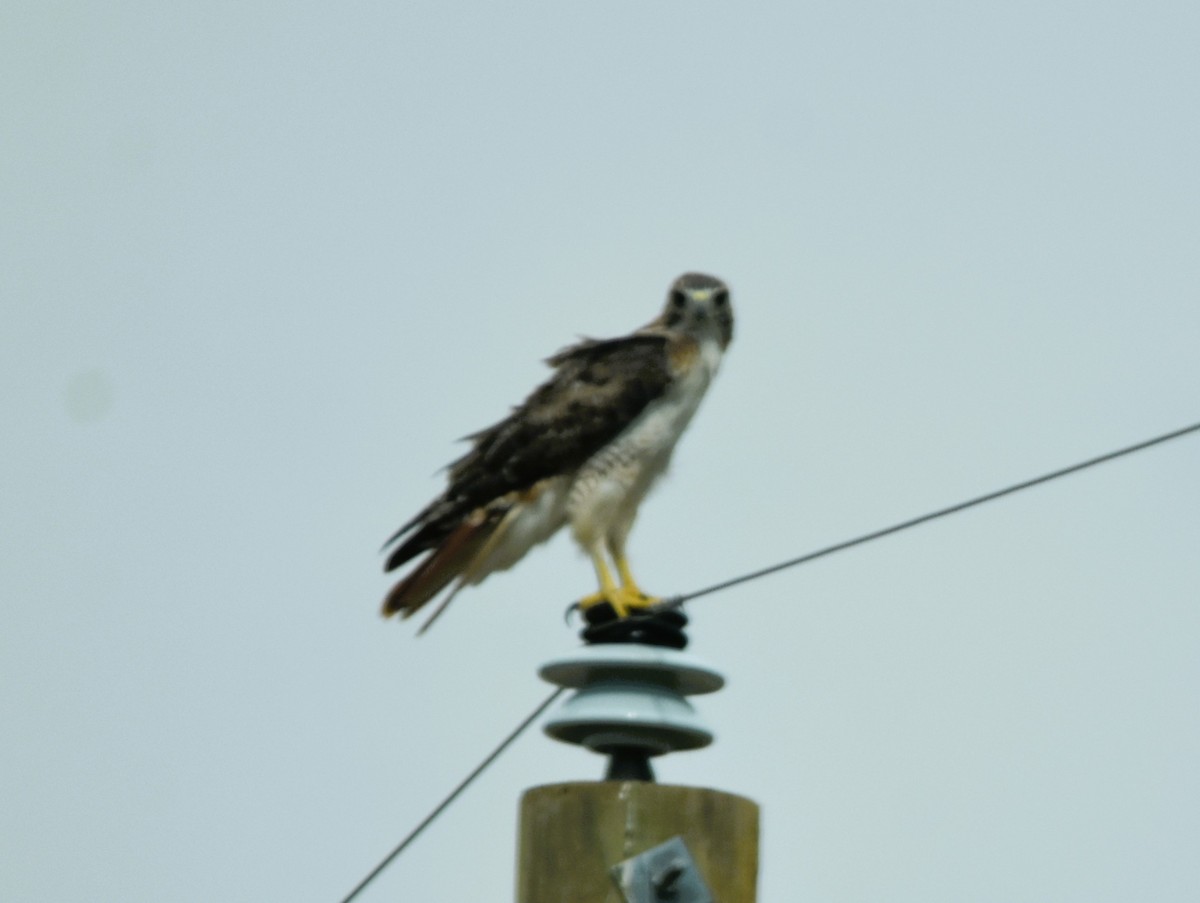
(590, 601)
(623, 599)
(634, 598)
(613, 599)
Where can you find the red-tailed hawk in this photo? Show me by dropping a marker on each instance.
(583, 449)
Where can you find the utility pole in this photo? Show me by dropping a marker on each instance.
(627, 839)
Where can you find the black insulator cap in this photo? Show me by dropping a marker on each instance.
(660, 628)
(629, 763)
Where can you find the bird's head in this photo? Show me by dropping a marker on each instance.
(699, 306)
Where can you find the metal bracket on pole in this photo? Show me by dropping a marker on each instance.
(663, 873)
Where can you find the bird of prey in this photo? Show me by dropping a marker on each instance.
(582, 450)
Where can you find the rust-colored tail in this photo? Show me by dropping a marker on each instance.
(445, 563)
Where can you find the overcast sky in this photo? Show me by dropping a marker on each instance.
(263, 262)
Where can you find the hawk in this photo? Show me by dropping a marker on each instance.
(582, 450)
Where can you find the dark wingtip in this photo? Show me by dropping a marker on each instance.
(391, 539)
(395, 559)
(423, 540)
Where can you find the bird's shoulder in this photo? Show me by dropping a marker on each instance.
(598, 387)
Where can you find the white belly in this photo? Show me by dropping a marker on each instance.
(605, 495)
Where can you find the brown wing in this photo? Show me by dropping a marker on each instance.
(597, 389)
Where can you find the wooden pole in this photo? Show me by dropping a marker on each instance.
(571, 835)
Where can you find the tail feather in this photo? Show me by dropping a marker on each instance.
(443, 565)
(442, 606)
(477, 559)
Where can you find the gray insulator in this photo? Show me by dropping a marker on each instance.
(629, 698)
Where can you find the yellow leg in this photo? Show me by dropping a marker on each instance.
(624, 598)
(609, 592)
(632, 593)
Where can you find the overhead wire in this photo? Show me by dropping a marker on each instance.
(677, 601)
(453, 795)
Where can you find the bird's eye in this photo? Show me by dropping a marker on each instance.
(678, 300)
(721, 298)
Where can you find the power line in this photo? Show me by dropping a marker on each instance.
(676, 601)
(453, 795)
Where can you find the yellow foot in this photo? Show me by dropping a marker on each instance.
(625, 600)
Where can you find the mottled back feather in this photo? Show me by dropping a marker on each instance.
(598, 388)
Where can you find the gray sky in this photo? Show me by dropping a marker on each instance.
(263, 262)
